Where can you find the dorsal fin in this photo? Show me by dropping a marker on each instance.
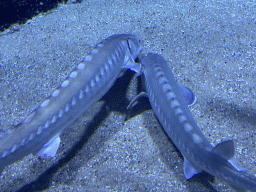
(225, 149)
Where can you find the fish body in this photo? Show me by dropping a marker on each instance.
(170, 107)
(86, 84)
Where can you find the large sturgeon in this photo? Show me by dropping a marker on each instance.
(170, 106)
(40, 132)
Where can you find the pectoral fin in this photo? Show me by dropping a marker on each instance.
(188, 95)
(141, 94)
(189, 169)
(136, 67)
(50, 148)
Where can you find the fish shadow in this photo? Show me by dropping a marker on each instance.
(115, 100)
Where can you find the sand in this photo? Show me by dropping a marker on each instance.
(209, 45)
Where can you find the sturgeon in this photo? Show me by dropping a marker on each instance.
(170, 107)
(40, 132)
